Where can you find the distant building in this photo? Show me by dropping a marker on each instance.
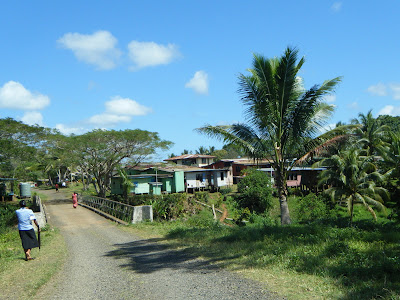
(170, 179)
(237, 165)
(197, 160)
(305, 178)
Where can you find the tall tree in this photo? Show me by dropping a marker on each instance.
(202, 150)
(281, 115)
(353, 179)
(101, 151)
(21, 147)
(370, 134)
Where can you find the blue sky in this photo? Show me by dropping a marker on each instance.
(173, 66)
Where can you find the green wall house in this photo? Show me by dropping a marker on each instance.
(150, 181)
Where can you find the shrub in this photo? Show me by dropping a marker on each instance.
(311, 207)
(8, 218)
(225, 191)
(255, 191)
(169, 206)
(202, 197)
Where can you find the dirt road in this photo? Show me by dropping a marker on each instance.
(106, 262)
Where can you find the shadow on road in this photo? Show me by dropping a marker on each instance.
(147, 256)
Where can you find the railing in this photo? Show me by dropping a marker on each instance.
(116, 209)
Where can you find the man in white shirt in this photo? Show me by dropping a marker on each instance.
(26, 231)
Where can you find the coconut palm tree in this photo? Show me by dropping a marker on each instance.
(280, 115)
(353, 179)
(370, 134)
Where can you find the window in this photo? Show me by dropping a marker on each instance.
(204, 160)
(237, 168)
(222, 175)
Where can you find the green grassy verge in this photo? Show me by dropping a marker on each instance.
(20, 279)
(311, 261)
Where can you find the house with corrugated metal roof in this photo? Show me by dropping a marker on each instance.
(194, 160)
(170, 179)
(150, 180)
(235, 166)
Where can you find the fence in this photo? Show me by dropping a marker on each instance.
(118, 210)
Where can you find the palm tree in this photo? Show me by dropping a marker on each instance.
(127, 183)
(202, 150)
(280, 113)
(370, 134)
(353, 179)
(391, 164)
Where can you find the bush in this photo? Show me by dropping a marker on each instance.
(8, 218)
(225, 191)
(168, 207)
(311, 207)
(202, 197)
(255, 191)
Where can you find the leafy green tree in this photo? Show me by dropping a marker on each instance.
(353, 179)
(311, 207)
(219, 154)
(281, 116)
(21, 148)
(101, 151)
(255, 191)
(233, 151)
(393, 122)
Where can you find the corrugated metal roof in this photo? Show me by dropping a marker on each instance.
(295, 169)
(189, 156)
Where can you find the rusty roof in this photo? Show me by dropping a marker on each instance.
(189, 156)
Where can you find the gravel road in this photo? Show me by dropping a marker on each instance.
(106, 262)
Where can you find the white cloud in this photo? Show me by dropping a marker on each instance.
(33, 118)
(336, 6)
(381, 90)
(353, 105)
(330, 98)
(98, 49)
(199, 82)
(395, 88)
(146, 54)
(108, 120)
(126, 106)
(70, 130)
(119, 110)
(15, 95)
(378, 89)
(390, 110)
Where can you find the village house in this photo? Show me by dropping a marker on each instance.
(170, 179)
(304, 178)
(194, 160)
(237, 165)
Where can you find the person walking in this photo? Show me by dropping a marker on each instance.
(26, 231)
(57, 186)
(74, 199)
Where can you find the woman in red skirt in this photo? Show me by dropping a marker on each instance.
(74, 199)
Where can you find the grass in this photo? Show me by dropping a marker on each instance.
(320, 260)
(20, 279)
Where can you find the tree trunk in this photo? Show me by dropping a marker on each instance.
(351, 212)
(282, 195)
(285, 216)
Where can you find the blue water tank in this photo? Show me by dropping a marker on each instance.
(25, 189)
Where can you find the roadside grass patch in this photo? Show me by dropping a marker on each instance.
(301, 261)
(20, 279)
